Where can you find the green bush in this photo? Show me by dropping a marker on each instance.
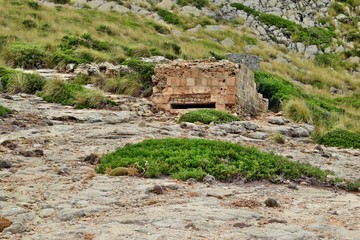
(276, 89)
(64, 57)
(16, 81)
(128, 85)
(61, 1)
(169, 17)
(249, 10)
(24, 56)
(185, 158)
(25, 83)
(340, 138)
(207, 116)
(85, 40)
(105, 29)
(28, 23)
(197, 3)
(59, 91)
(145, 70)
(298, 111)
(4, 111)
(329, 60)
(34, 5)
(314, 36)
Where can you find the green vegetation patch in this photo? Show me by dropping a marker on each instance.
(169, 17)
(195, 158)
(197, 3)
(59, 91)
(341, 138)
(207, 116)
(4, 111)
(309, 36)
(14, 81)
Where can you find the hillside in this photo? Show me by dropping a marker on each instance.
(91, 147)
(315, 56)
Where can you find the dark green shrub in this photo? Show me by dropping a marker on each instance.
(249, 40)
(59, 91)
(197, 3)
(338, 8)
(29, 23)
(85, 40)
(169, 17)
(314, 36)
(25, 56)
(249, 10)
(61, 1)
(329, 60)
(4, 111)
(217, 56)
(276, 89)
(34, 5)
(207, 116)
(185, 158)
(145, 70)
(340, 138)
(105, 29)
(172, 47)
(62, 58)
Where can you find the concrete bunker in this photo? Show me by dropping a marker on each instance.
(223, 85)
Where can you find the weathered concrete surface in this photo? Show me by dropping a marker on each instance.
(58, 196)
(220, 84)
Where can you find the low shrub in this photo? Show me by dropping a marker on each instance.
(298, 111)
(25, 83)
(82, 79)
(143, 69)
(197, 3)
(329, 60)
(61, 1)
(59, 91)
(28, 23)
(128, 85)
(105, 29)
(207, 116)
(169, 17)
(340, 138)
(90, 98)
(276, 89)
(195, 158)
(249, 10)
(24, 56)
(69, 42)
(4, 111)
(34, 5)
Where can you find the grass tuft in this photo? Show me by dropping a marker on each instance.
(297, 110)
(4, 112)
(207, 116)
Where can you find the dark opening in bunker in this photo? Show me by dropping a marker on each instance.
(192, 105)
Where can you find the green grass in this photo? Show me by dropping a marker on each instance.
(195, 158)
(340, 138)
(59, 91)
(309, 36)
(4, 111)
(207, 116)
(13, 81)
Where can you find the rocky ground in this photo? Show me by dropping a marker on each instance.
(48, 191)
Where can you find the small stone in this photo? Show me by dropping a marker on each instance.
(38, 153)
(92, 159)
(241, 225)
(69, 214)
(10, 145)
(15, 228)
(270, 202)
(4, 164)
(157, 189)
(209, 179)
(293, 186)
(119, 171)
(4, 223)
(142, 124)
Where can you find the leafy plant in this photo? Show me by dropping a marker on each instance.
(185, 158)
(24, 56)
(169, 17)
(340, 138)
(297, 110)
(25, 83)
(4, 111)
(197, 3)
(207, 116)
